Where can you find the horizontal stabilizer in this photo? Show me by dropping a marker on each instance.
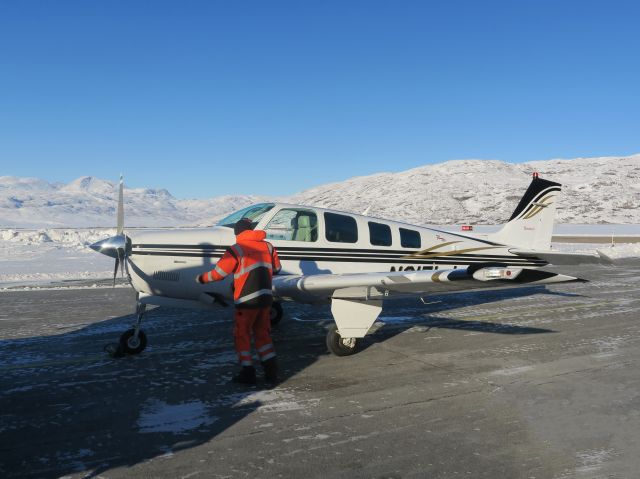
(559, 258)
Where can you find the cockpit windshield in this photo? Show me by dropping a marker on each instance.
(253, 212)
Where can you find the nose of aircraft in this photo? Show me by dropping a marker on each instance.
(110, 246)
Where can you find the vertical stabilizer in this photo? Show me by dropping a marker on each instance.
(531, 224)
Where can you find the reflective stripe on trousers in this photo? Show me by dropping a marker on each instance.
(245, 358)
(257, 323)
(266, 352)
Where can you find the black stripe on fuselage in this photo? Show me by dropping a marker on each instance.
(330, 253)
(285, 249)
(354, 255)
(508, 260)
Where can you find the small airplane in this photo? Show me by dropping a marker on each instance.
(354, 262)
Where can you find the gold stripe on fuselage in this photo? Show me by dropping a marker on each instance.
(435, 254)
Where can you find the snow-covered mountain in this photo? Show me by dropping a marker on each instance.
(595, 190)
(89, 201)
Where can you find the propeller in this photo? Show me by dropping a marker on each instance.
(118, 246)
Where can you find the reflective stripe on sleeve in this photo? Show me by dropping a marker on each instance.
(220, 271)
(209, 277)
(254, 295)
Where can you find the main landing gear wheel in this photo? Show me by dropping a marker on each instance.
(132, 345)
(276, 313)
(341, 346)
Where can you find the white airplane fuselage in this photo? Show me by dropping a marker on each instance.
(165, 263)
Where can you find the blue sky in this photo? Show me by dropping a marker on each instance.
(222, 97)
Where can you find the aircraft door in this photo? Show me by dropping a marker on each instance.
(293, 224)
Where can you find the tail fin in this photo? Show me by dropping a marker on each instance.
(531, 224)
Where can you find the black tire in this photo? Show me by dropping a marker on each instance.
(339, 346)
(276, 313)
(128, 344)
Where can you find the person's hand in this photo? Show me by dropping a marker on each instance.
(199, 279)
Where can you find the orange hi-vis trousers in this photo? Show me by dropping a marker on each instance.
(258, 322)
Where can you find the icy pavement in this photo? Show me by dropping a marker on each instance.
(534, 382)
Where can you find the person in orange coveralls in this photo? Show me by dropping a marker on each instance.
(252, 261)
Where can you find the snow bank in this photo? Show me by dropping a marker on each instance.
(68, 238)
(32, 257)
(619, 251)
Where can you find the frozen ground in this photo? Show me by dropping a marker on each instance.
(31, 257)
(523, 383)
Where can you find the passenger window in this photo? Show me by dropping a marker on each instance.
(340, 228)
(293, 225)
(379, 234)
(409, 238)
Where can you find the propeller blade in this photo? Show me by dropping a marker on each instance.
(125, 262)
(126, 269)
(115, 271)
(121, 206)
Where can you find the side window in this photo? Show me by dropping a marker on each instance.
(293, 225)
(379, 234)
(340, 228)
(409, 238)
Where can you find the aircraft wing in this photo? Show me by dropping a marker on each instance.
(377, 286)
(560, 258)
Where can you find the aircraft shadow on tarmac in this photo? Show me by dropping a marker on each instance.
(430, 315)
(66, 407)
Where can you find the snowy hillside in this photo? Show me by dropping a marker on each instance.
(595, 190)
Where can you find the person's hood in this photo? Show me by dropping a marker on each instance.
(251, 235)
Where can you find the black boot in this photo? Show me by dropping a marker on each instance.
(270, 367)
(247, 375)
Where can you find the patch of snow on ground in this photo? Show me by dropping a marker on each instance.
(275, 400)
(158, 416)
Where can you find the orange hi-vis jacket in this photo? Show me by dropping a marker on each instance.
(253, 262)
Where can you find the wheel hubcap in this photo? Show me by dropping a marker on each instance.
(133, 343)
(348, 342)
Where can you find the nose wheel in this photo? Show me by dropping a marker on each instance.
(132, 341)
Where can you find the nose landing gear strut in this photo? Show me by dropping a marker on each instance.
(133, 341)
